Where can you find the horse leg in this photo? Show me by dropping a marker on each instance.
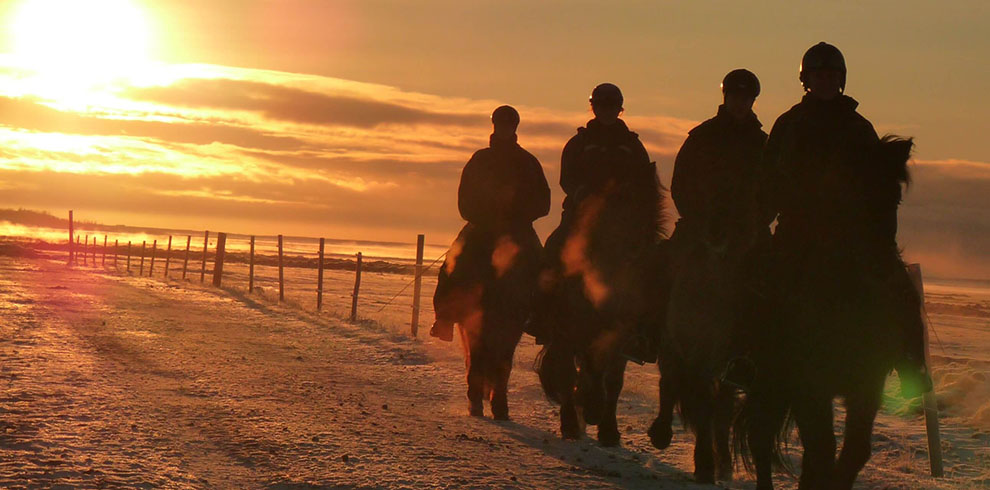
(558, 377)
(662, 432)
(501, 368)
(608, 427)
(722, 422)
(476, 366)
(704, 454)
(697, 407)
(815, 426)
(590, 391)
(861, 410)
(570, 424)
(766, 412)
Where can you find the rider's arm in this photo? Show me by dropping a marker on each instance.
(471, 199)
(683, 186)
(540, 199)
(770, 182)
(571, 173)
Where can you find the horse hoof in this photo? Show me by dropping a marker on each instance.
(570, 433)
(608, 438)
(476, 410)
(501, 416)
(660, 435)
(725, 476)
(705, 478)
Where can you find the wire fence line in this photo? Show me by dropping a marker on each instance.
(300, 271)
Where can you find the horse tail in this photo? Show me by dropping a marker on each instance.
(752, 417)
(555, 366)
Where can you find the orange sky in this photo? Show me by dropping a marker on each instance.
(353, 119)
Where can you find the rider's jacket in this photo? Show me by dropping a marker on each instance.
(594, 153)
(503, 187)
(812, 154)
(717, 170)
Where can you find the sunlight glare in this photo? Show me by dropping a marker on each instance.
(80, 44)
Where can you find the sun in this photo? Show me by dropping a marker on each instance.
(81, 39)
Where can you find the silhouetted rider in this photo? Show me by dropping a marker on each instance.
(805, 146)
(717, 169)
(597, 151)
(605, 140)
(502, 191)
(717, 174)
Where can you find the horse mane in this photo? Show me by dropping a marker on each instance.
(894, 154)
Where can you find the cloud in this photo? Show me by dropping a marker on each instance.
(23, 113)
(299, 106)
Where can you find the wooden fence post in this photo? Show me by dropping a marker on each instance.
(185, 262)
(116, 248)
(319, 279)
(418, 284)
(202, 267)
(218, 260)
(143, 244)
(93, 251)
(357, 287)
(76, 258)
(928, 398)
(168, 256)
(251, 267)
(128, 256)
(71, 238)
(281, 278)
(84, 245)
(103, 261)
(154, 249)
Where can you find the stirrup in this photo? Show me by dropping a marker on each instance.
(730, 375)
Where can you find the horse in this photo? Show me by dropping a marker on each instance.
(486, 287)
(837, 331)
(710, 303)
(601, 295)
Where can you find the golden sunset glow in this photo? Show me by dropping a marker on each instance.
(69, 49)
(296, 116)
(94, 35)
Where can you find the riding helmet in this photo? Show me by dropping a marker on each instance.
(823, 56)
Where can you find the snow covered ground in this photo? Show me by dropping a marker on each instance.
(112, 380)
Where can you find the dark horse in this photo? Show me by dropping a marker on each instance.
(606, 289)
(709, 302)
(486, 287)
(837, 330)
